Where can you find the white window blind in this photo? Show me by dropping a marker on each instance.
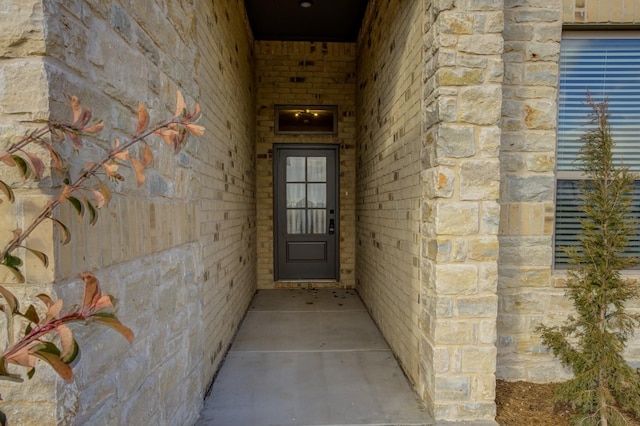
(608, 67)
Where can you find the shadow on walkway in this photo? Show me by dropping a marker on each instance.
(310, 357)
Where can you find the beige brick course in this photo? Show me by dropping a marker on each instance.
(388, 181)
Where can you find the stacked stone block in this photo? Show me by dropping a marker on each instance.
(460, 213)
(532, 45)
(305, 73)
(23, 101)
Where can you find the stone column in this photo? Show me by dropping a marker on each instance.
(24, 102)
(461, 182)
(528, 295)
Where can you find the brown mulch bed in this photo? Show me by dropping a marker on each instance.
(531, 404)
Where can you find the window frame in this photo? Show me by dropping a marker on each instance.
(577, 175)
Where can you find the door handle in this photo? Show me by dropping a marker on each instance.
(332, 227)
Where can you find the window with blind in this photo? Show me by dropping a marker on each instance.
(606, 64)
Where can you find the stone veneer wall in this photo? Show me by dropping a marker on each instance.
(530, 290)
(179, 252)
(461, 178)
(305, 73)
(390, 58)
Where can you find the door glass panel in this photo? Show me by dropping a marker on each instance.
(316, 169)
(295, 195)
(317, 221)
(306, 202)
(317, 195)
(296, 169)
(295, 221)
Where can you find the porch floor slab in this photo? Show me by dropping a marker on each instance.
(310, 357)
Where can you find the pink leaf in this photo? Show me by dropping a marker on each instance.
(45, 299)
(168, 135)
(23, 357)
(110, 169)
(7, 191)
(106, 192)
(195, 129)
(120, 155)
(114, 323)
(143, 118)
(55, 157)
(181, 107)
(99, 197)
(138, 168)
(57, 364)
(196, 112)
(103, 303)
(76, 108)
(95, 128)
(55, 309)
(66, 340)
(7, 159)
(38, 165)
(85, 117)
(147, 156)
(76, 140)
(91, 290)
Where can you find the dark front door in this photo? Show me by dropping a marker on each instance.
(306, 212)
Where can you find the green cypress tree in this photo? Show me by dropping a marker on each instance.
(592, 341)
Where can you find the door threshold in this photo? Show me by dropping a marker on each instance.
(307, 284)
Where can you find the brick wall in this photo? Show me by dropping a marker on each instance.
(390, 59)
(226, 174)
(305, 73)
(179, 252)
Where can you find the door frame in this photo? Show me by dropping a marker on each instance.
(282, 147)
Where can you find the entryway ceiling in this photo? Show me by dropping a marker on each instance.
(324, 20)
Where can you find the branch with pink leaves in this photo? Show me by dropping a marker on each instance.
(35, 345)
(49, 338)
(173, 131)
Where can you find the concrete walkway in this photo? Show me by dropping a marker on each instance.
(306, 357)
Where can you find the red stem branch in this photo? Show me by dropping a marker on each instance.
(77, 184)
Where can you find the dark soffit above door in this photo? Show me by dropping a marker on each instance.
(325, 20)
